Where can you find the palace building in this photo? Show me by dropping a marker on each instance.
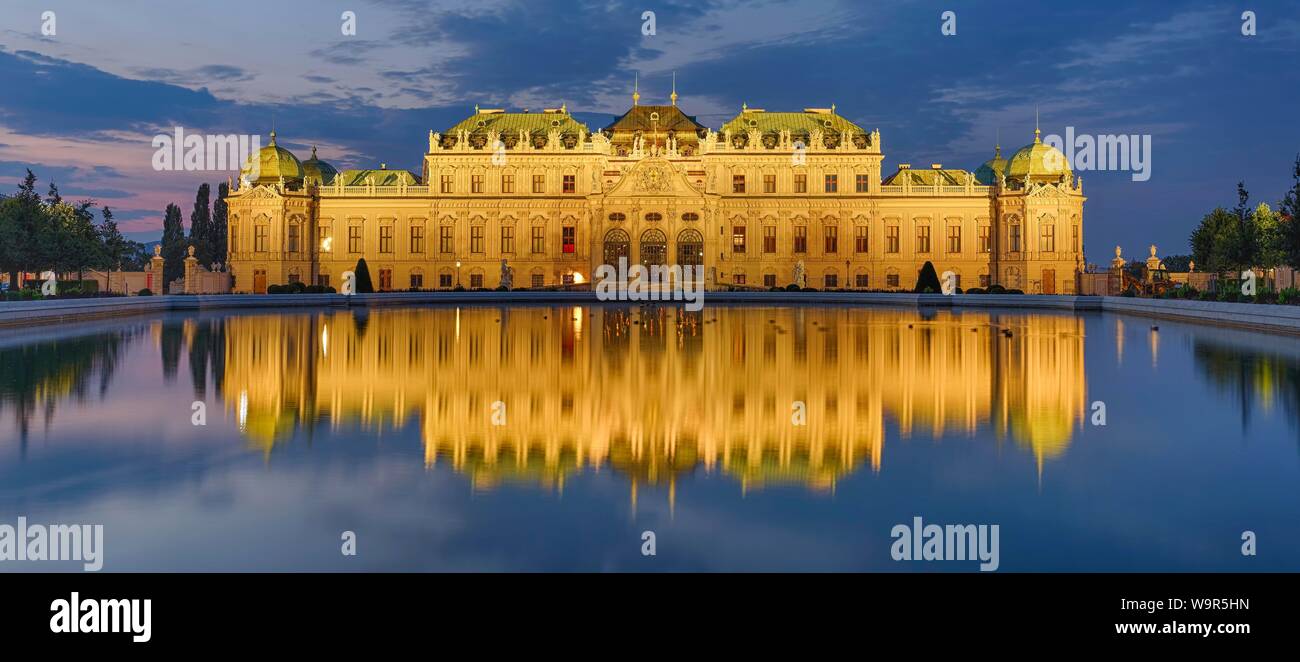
(768, 199)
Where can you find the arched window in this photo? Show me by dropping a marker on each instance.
(654, 248)
(690, 248)
(617, 244)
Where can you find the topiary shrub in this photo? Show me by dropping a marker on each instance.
(975, 290)
(997, 289)
(927, 282)
(1288, 296)
(364, 285)
(146, 292)
(792, 287)
(1015, 291)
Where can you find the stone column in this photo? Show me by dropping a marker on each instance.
(191, 273)
(156, 269)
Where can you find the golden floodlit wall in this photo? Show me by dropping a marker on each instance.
(749, 203)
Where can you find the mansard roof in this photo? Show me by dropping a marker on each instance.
(504, 123)
(929, 177)
(382, 177)
(671, 118)
(811, 119)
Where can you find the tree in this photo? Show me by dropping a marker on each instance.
(1288, 210)
(115, 246)
(220, 212)
(1269, 252)
(1177, 263)
(1244, 249)
(928, 280)
(201, 226)
(79, 246)
(28, 239)
(173, 245)
(364, 286)
(1216, 242)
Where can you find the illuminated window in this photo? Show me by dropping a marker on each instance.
(570, 184)
(984, 239)
(539, 183)
(568, 234)
(769, 183)
(738, 239)
(737, 183)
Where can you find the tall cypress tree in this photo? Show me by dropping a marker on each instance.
(173, 245)
(201, 226)
(220, 212)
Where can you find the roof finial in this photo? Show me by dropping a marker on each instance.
(475, 109)
(832, 107)
(313, 151)
(273, 137)
(1037, 132)
(674, 95)
(997, 143)
(636, 89)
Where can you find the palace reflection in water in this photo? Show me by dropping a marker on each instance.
(655, 392)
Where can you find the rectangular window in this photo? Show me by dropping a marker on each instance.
(507, 239)
(570, 184)
(861, 241)
(1014, 244)
(832, 183)
(447, 186)
(860, 184)
(446, 240)
(293, 239)
(385, 279)
(354, 239)
(417, 281)
(891, 280)
(295, 278)
(568, 234)
(984, 280)
(476, 183)
(476, 281)
(769, 183)
(737, 183)
(385, 239)
(1074, 239)
(539, 280)
(507, 183)
(984, 239)
(738, 239)
(539, 183)
(539, 240)
(417, 239)
(831, 281)
(831, 242)
(323, 280)
(444, 280)
(476, 239)
(861, 281)
(800, 239)
(1047, 239)
(891, 239)
(260, 233)
(923, 239)
(739, 279)
(801, 183)
(769, 280)
(769, 239)
(323, 240)
(954, 238)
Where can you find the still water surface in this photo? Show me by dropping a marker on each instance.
(550, 438)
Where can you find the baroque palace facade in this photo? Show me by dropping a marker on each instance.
(768, 196)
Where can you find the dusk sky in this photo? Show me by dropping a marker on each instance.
(82, 106)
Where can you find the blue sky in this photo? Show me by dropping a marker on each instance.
(82, 106)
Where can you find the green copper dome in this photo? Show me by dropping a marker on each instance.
(992, 169)
(316, 171)
(1038, 162)
(273, 163)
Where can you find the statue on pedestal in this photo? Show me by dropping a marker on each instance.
(800, 275)
(507, 275)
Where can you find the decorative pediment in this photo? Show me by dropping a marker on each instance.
(653, 177)
(262, 192)
(1041, 190)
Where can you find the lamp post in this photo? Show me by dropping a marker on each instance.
(457, 273)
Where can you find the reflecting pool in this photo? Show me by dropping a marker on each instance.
(744, 438)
